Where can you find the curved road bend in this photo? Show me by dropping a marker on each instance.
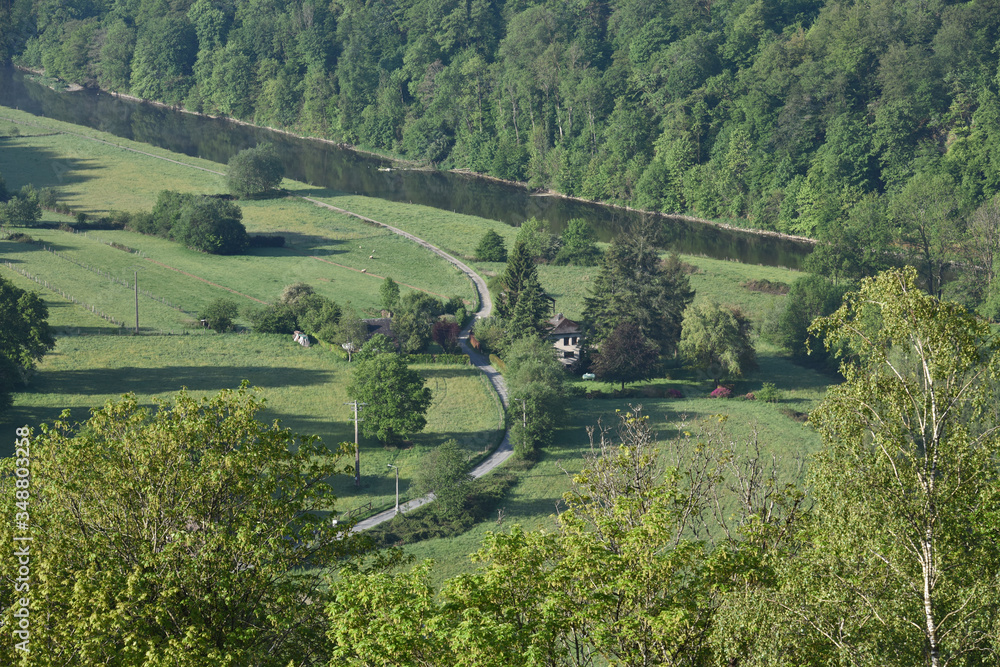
(503, 452)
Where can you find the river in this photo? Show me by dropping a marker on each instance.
(327, 165)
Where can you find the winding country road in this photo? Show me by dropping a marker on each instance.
(503, 452)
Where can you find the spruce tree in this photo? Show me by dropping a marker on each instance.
(520, 269)
(634, 285)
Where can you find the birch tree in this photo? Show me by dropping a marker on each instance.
(902, 564)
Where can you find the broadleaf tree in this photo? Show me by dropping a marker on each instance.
(902, 561)
(254, 171)
(396, 397)
(187, 534)
(718, 339)
(626, 356)
(25, 336)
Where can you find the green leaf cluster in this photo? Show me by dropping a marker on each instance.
(396, 397)
(25, 337)
(186, 534)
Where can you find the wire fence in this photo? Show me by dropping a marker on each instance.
(115, 279)
(44, 283)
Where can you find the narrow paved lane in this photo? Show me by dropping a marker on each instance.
(480, 361)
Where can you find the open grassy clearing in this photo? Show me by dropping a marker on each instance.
(64, 316)
(111, 298)
(305, 388)
(459, 234)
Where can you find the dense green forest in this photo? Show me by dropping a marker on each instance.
(783, 114)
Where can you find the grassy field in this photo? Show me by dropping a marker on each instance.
(304, 388)
(323, 247)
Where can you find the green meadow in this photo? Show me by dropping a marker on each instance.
(304, 388)
(344, 259)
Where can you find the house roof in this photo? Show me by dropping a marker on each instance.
(380, 325)
(560, 325)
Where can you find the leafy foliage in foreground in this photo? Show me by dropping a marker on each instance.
(692, 552)
(179, 536)
(620, 579)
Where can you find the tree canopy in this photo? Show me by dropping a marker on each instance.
(254, 171)
(634, 285)
(717, 339)
(186, 533)
(626, 356)
(25, 337)
(491, 248)
(396, 397)
(906, 484)
(203, 223)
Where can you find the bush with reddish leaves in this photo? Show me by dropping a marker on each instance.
(445, 334)
(721, 392)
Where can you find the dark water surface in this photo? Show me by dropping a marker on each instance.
(326, 165)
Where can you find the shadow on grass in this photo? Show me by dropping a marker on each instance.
(41, 167)
(172, 378)
(71, 331)
(785, 373)
(297, 243)
(17, 248)
(534, 507)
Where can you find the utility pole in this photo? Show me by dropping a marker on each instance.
(524, 412)
(136, 302)
(389, 465)
(357, 450)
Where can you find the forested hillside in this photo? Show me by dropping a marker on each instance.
(784, 113)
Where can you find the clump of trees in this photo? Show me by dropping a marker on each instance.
(491, 248)
(396, 397)
(446, 475)
(299, 308)
(219, 315)
(203, 223)
(541, 244)
(579, 245)
(535, 381)
(635, 286)
(254, 172)
(20, 210)
(718, 340)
